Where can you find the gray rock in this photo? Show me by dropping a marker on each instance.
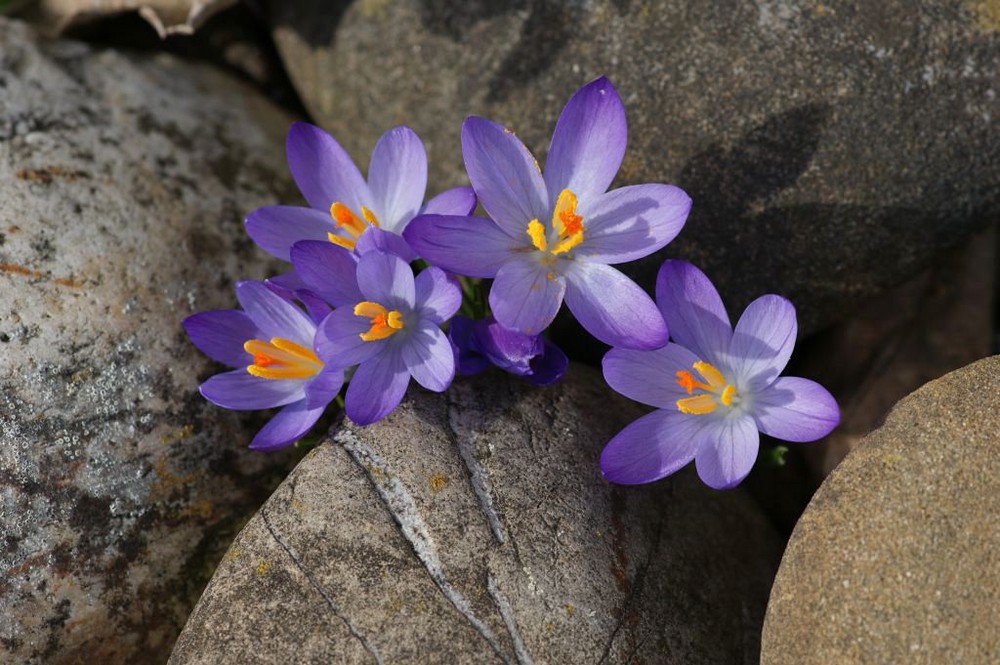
(831, 149)
(123, 182)
(475, 527)
(896, 559)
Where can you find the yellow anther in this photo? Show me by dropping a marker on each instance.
(369, 217)
(347, 243)
(728, 393)
(698, 406)
(715, 389)
(346, 219)
(710, 374)
(537, 233)
(384, 323)
(568, 227)
(281, 359)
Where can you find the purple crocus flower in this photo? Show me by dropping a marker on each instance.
(485, 342)
(715, 389)
(270, 342)
(343, 207)
(556, 234)
(390, 331)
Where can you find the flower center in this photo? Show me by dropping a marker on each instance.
(384, 322)
(716, 390)
(281, 359)
(567, 225)
(347, 221)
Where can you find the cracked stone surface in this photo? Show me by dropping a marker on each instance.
(474, 526)
(123, 182)
(897, 558)
(831, 149)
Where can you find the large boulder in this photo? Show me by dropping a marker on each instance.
(831, 149)
(123, 181)
(897, 558)
(475, 527)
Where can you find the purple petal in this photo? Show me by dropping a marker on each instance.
(504, 174)
(375, 239)
(290, 286)
(588, 143)
(323, 387)
(386, 279)
(276, 228)
(763, 341)
(328, 271)
(470, 246)
(468, 358)
(548, 367)
(437, 294)
(632, 222)
(220, 335)
(524, 297)
(459, 201)
(338, 341)
(429, 357)
(729, 451)
(286, 426)
(323, 170)
(376, 388)
(613, 308)
(507, 349)
(397, 177)
(654, 446)
(275, 316)
(694, 311)
(241, 391)
(649, 377)
(796, 410)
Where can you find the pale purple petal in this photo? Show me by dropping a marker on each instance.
(323, 170)
(220, 335)
(526, 296)
(455, 201)
(729, 451)
(588, 143)
(376, 388)
(275, 316)
(654, 446)
(470, 246)
(386, 279)
(397, 177)
(328, 271)
(338, 339)
(438, 295)
(763, 341)
(429, 357)
(375, 239)
(549, 366)
(504, 174)
(241, 391)
(323, 387)
(613, 308)
(796, 410)
(649, 377)
(286, 426)
(693, 310)
(276, 228)
(632, 222)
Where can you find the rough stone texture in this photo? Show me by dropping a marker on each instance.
(475, 527)
(897, 558)
(123, 183)
(831, 148)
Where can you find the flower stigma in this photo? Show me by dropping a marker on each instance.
(566, 223)
(384, 323)
(281, 359)
(346, 219)
(716, 390)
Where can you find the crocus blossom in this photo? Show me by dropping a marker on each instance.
(715, 387)
(343, 206)
(270, 343)
(482, 343)
(390, 330)
(555, 235)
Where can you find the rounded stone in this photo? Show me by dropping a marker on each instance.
(475, 527)
(896, 558)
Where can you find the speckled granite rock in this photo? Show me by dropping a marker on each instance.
(475, 527)
(897, 558)
(123, 183)
(831, 148)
